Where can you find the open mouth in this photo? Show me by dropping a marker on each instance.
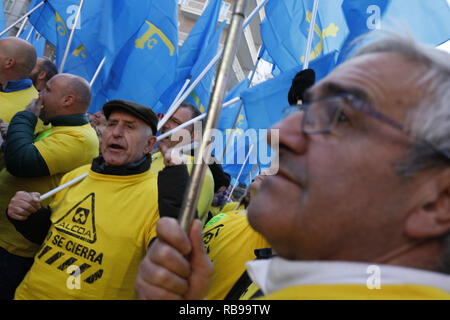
(115, 146)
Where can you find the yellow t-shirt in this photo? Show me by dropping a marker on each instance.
(207, 192)
(13, 102)
(101, 228)
(358, 292)
(64, 149)
(230, 243)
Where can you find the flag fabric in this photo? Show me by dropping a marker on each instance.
(103, 28)
(229, 113)
(227, 116)
(146, 66)
(35, 39)
(197, 41)
(54, 21)
(265, 102)
(200, 95)
(2, 18)
(426, 21)
(285, 30)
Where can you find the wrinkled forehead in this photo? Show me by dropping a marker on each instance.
(382, 79)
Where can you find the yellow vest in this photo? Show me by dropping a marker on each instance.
(207, 192)
(230, 243)
(13, 102)
(101, 228)
(358, 292)
(64, 149)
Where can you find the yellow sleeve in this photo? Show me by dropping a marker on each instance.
(65, 151)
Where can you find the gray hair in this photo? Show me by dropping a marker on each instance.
(430, 122)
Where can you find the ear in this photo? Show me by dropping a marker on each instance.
(42, 75)
(432, 218)
(68, 100)
(150, 144)
(9, 63)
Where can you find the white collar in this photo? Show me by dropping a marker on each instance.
(275, 274)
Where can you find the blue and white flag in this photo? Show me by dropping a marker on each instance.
(201, 94)
(35, 39)
(198, 41)
(102, 30)
(146, 66)
(427, 21)
(285, 30)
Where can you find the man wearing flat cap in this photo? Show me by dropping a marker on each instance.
(95, 233)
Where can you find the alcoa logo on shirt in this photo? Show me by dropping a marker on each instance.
(68, 248)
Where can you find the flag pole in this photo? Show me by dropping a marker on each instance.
(253, 14)
(97, 72)
(21, 27)
(232, 101)
(66, 52)
(192, 193)
(159, 138)
(23, 17)
(176, 104)
(29, 33)
(186, 83)
(310, 34)
(181, 126)
(240, 172)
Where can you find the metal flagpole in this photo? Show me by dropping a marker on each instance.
(21, 27)
(310, 34)
(66, 52)
(189, 90)
(240, 171)
(177, 102)
(23, 17)
(253, 14)
(100, 66)
(29, 33)
(186, 83)
(230, 102)
(192, 193)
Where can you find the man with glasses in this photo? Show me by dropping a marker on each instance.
(360, 207)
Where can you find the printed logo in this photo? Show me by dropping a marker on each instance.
(79, 222)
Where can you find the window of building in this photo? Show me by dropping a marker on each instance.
(8, 5)
(224, 9)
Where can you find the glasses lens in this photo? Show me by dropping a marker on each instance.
(321, 114)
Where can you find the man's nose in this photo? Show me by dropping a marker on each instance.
(117, 130)
(290, 133)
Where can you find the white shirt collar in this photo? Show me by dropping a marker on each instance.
(275, 274)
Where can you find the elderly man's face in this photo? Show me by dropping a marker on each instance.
(337, 195)
(126, 139)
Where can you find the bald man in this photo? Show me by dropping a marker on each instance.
(17, 60)
(38, 163)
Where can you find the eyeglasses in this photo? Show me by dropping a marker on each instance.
(320, 116)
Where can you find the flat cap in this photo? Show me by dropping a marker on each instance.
(142, 112)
